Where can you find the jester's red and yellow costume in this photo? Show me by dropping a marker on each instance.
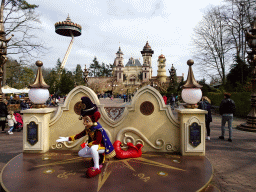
(98, 142)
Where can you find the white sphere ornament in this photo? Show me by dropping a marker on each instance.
(192, 95)
(38, 96)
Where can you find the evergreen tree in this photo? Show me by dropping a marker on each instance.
(58, 66)
(206, 88)
(238, 75)
(94, 68)
(13, 72)
(66, 82)
(105, 70)
(78, 75)
(51, 79)
(27, 77)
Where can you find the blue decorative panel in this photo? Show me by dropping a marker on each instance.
(32, 133)
(195, 134)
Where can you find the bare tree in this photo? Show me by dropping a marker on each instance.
(237, 17)
(21, 20)
(212, 44)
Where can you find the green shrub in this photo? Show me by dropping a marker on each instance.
(241, 99)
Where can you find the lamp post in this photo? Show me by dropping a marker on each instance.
(38, 92)
(250, 124)
(191, 91)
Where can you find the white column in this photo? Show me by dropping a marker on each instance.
(188, 118)
(39, 118)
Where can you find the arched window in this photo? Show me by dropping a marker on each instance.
(145, 75)
(132, 79)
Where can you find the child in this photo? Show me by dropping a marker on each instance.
(19, 126)
(11, 120)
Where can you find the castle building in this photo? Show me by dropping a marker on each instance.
(135, 73)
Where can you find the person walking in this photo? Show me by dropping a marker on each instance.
(11, 121)
(227, 109)
(205, 104)
(125, 98)
(172, 100)
(3, 114)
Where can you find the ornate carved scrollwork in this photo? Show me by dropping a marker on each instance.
(169, 147)
(159, 143)
(114, 112)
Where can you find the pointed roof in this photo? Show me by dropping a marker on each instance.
(191, 82)
(119, 51)
(147, 49)
(161, 56)
(39, 81)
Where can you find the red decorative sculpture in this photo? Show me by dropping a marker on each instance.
(131, 152)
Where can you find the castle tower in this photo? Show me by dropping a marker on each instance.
(147, 53)
(118, 65)
(161, 72)
(145, 72)
(119, 72)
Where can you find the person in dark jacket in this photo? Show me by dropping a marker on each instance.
(3, 114)
(227, 109)
(206, 105)
(23, 105)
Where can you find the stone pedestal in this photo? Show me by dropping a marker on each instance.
(192, 131)
(36, 129)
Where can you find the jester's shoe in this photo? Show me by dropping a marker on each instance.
(131, 152)
(92, 172)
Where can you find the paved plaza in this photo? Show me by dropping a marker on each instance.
(234, 162)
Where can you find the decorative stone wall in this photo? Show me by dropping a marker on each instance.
(147, 120)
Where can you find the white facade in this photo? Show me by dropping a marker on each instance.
(134, 73)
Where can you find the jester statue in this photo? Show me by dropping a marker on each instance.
(99, 145)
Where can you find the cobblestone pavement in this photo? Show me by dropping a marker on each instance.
(234, 163)
(116, 102)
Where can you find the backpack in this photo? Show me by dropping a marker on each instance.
(232, 106)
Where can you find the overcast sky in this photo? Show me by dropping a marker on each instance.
(166, 24)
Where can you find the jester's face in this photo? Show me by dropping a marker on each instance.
(87, 122)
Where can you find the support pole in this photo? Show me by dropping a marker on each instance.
(68, 51)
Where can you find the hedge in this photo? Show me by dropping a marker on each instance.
(241, 99)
